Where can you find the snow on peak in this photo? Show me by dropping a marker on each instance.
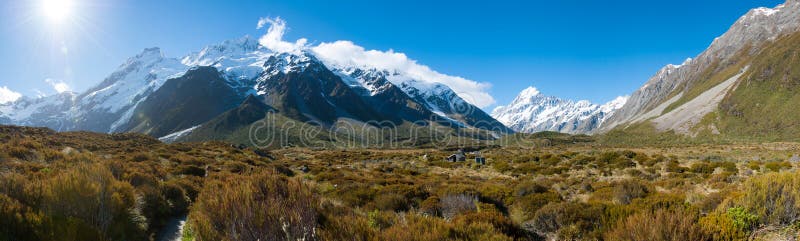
(762, 12)
(210, 55)
(670, 67)
(532, 111)
(372, 81)
(616, 103)
(288, 62)
(437, 97)
(121, 91)
(343, 54)
(767, 11)
(148, 55)
(239, 59)
(529, 92)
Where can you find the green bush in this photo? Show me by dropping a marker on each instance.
(734, 224)
(773, 197)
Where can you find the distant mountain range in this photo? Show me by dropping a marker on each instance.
(170, 97)
(532, 111)
(743, 86)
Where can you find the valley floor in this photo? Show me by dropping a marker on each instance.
(87, 186)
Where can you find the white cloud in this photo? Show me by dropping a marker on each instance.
(39, 93)
(261, 23)
(273, 39)
(7, 95)
(347, 53)
(58, 85)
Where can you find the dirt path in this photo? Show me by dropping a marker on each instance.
(174, 229)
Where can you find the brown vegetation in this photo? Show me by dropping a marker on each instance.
(85, 186)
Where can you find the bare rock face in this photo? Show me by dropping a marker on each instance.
(755, 28)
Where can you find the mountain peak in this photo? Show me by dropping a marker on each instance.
(146, 57)
(766, 11)
(289, 62)
(232, 49)
(240, 45)
(529, 92)
(153, 52)
(531, 111)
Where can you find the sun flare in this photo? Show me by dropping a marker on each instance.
(57, 11)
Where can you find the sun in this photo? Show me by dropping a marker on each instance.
(57, 11)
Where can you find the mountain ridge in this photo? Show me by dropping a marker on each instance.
(298, 85)
(753, 29)
(532, 111)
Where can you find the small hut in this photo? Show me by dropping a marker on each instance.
(457, 157)
(479, 159)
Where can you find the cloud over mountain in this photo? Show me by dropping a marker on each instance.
(347, 53)
(7, 95)
(58, 85)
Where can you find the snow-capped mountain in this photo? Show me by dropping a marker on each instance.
(240, 60)
(104, 107)
(51, 111)
(435, 97)
(531, 111)
(111, 104)
(297, 84)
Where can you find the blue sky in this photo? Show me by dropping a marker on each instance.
(593, 50)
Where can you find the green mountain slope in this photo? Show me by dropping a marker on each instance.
(765, 105)
(762, 105)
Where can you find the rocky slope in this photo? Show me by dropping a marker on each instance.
(675, 86)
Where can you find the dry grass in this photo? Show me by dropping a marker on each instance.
(579, 192)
